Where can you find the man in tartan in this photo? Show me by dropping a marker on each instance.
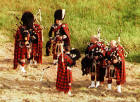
(61, 32)
(93, 62)
(116, 58)
(27, 40)
(64, 73)
(36, 54)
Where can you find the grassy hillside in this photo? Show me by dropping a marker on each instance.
(83, 17)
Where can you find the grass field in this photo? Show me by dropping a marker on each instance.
(84, 17)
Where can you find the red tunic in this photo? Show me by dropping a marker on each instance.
(21, 52)
(120, 73)
(99, 45)
(64, 75)
(59, 30)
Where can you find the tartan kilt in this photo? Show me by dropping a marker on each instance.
(118, 74)
(19, 54)
(63, 80)
(69, 73)
(22, 53)
(64, 76)
(34, 51)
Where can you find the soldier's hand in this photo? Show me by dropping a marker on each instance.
(60, 38)
(64, 36)
(69, 84)
(115, 61)
(33, 37)
(50, 38)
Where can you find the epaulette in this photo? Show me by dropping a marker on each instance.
(37, 27)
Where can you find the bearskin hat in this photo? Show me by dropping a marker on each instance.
(59, 14)
(28, 19)
(75, 54)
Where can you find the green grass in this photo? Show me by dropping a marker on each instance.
(83, 17)
(134, 57)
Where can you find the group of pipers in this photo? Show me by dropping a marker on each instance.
(100, 60)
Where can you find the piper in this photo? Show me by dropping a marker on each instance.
(116, 68)
(93, 61)
(64, 71)
(28, 42)
(61, 33)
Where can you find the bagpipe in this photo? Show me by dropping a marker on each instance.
(28, 33)
(110, 73)
(93, 50)
(89, 61)
(86, 64)
(118, 54)
(29, 36)
(74, 55)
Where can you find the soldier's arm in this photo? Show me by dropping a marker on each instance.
(66, 31)
(92, 47)
(51, 31)
(87, 51)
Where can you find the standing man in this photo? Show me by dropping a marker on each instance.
(93, 62)
(64, 71)
(28, 42)
(61, 32)
(116, 69)
(36, 54)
